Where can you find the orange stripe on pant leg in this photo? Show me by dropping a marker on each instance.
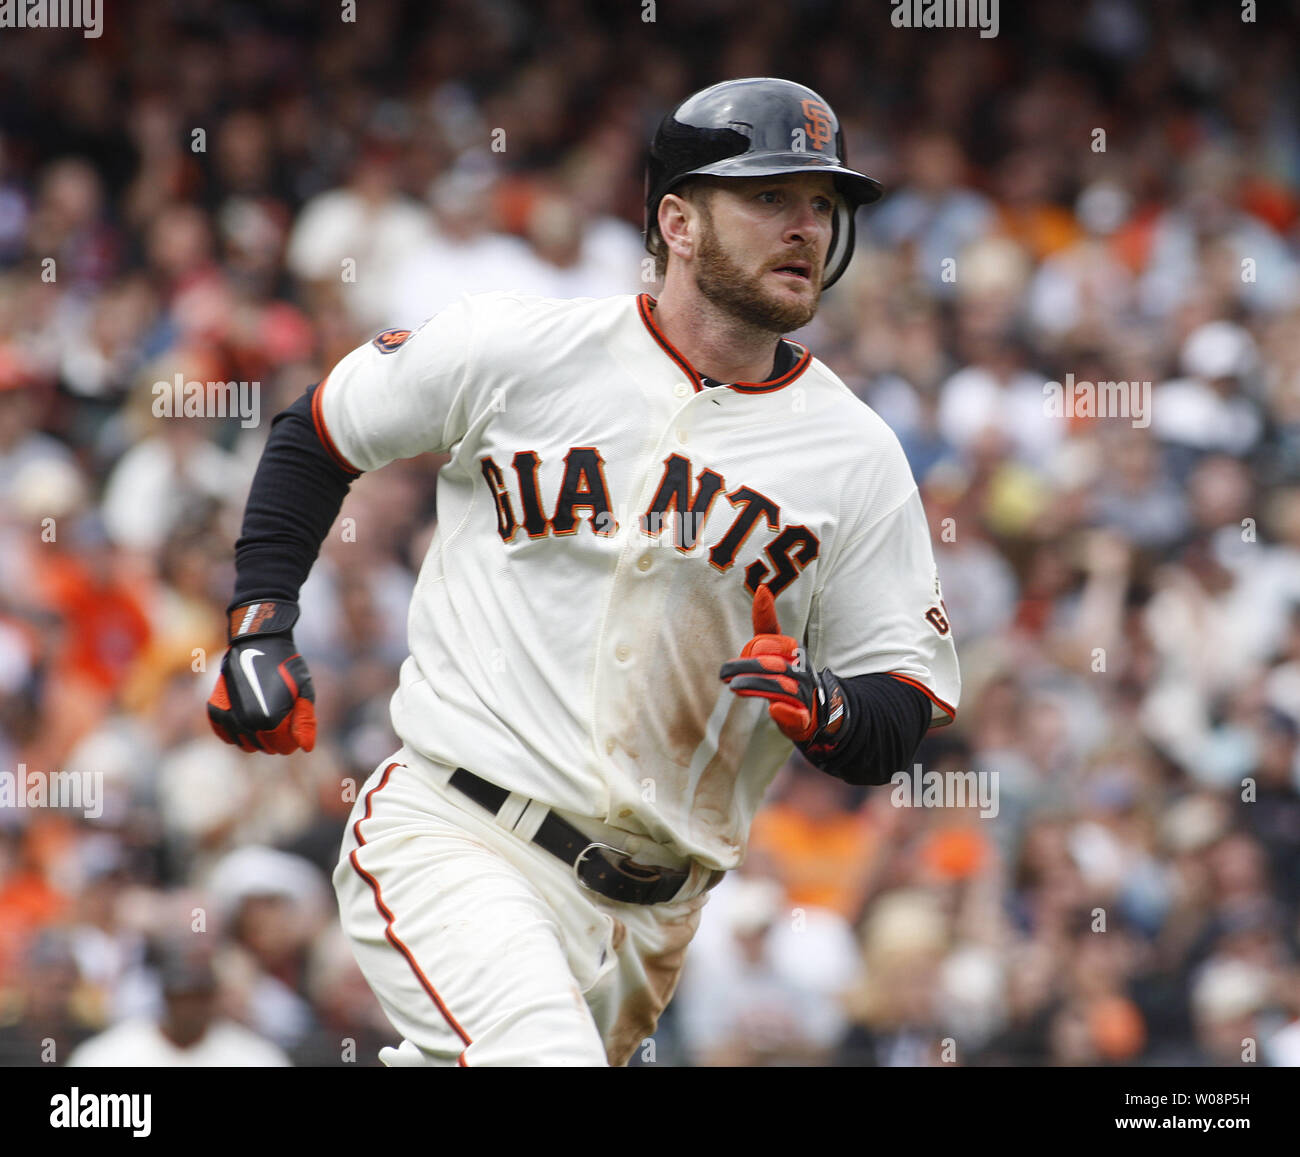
(388, 916)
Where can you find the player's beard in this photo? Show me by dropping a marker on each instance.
(743, 295)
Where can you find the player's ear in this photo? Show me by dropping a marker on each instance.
(678, 225)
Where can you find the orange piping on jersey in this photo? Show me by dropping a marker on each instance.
(388, 916)
(785, 379)
(950, 710)
(644, 302)
(318, 420)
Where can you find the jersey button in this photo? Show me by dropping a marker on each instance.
(609, 746)
(643, 563)
(681, 389)
(621, 652)
(681, 436)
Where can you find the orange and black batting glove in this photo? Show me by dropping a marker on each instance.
(807, 706)
(264, 700)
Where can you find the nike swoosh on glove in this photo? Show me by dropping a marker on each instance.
(264, 699)
(806, 705)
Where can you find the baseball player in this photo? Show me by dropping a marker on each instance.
(670, 545)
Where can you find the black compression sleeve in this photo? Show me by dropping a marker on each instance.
(296, 495)
(887, 719)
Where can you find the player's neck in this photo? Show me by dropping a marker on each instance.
(717, 344)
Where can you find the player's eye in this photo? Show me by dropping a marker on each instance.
(769, 196)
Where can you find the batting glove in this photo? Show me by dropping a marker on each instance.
(264, 700)
(806, 705)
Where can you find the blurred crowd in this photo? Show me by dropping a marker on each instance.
(1107, 189)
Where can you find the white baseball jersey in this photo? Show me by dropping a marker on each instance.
(603, 523)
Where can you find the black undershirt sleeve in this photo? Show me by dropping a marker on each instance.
(887, 719)
(296, 496)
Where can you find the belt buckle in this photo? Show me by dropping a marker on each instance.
(641, 873)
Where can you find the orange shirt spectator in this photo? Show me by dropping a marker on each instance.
(816, 844)
(28, 903)
(104, 628)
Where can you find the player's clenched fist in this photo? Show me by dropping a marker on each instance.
(264, 699)
(808, 707)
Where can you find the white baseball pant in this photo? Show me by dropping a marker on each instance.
(482, 948)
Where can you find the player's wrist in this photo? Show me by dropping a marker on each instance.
(257, 618)
(831, 718)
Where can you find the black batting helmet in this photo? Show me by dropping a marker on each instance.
(757, 127)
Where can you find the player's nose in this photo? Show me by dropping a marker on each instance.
(804, 223)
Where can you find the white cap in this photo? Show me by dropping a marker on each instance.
(261, 871)
(1103, 207)
(1218, 349)
(754, 904)
(1228, 989)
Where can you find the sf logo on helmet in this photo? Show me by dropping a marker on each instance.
(817, 124)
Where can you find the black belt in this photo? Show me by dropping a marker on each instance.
(602, 869)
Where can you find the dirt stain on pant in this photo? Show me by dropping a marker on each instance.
(661, 963)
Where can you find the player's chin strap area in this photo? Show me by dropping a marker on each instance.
(597, 867)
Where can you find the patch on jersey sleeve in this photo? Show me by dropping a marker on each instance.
(938, 619)
(390, 339)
